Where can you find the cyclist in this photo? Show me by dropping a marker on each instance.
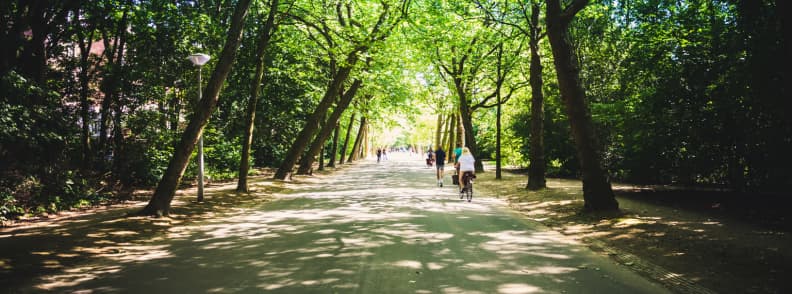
(454, 155)
(457, 154)
(466, 166)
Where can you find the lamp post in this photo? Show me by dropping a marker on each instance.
(199, 59)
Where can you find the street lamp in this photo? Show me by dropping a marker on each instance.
(199, 59)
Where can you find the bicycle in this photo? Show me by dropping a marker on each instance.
(467, 190)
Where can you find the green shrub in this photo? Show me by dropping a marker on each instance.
(9, 207)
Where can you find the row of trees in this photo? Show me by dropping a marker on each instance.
(673, 92)
(141, 82)
(97, 97)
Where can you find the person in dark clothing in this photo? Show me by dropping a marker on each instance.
(440, 157)
(429, 158)
(379, 154)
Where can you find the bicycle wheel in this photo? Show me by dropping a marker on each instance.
(469, 191)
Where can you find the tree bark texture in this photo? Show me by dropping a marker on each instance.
(537, 167)
(444, 133)
(255, 88)
(321, 157)
(597, 192)
(452, 135)
(346, 138)
(312, 123)
(364, 151)
(334, 148)
(498, 139)
(438, 131)
(355, 154)
(467, 126)
(307, 161)
(112, 79)
(163, 195)
(85, 106)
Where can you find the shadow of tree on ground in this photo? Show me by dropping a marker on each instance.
(705, 236)
(364, 229)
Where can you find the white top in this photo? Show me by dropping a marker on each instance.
(466, 162)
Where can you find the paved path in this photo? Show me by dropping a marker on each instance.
(369, 228)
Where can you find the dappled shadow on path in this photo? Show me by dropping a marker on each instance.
(688, 233)
(372, 228)
(51, 245)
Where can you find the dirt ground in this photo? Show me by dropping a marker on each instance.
(715, 241)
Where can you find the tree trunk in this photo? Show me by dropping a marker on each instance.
(438, 131)
(537, 167)
(307, 161)
(163, 195)
(321, 157)
(111, 80)
(460, 132)
(364, 150)
(119, 153)
(497, 139)
(597, 192)
(467, 125)
(33, 58)
(354, 155)
(85, 105)
(346, 138)
(250, 119)
(452, 135)
(444, 133)
(334, 148)
(175, 110)
(312, 123)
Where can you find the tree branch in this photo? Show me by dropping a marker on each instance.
(572, 10)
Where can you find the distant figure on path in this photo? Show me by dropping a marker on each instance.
(429, 158)
(440, 156)
(379, 154)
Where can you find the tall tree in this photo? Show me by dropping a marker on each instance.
(265, 34)
(85, 38)
(444, 130)
(461, 77)
(307, 161)
(356, 147)
(381, 29)
(163, 195)
(334, 147)
(114, 55)
(452, 133)
(597, 192)
(502, 71)
(346, 138)
(438, 131)
(537, 166)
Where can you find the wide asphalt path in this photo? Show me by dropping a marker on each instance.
(368, 228)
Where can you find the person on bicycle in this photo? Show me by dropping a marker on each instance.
(454, 155)
(466, 164)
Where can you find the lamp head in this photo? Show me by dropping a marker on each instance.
(198, 59)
